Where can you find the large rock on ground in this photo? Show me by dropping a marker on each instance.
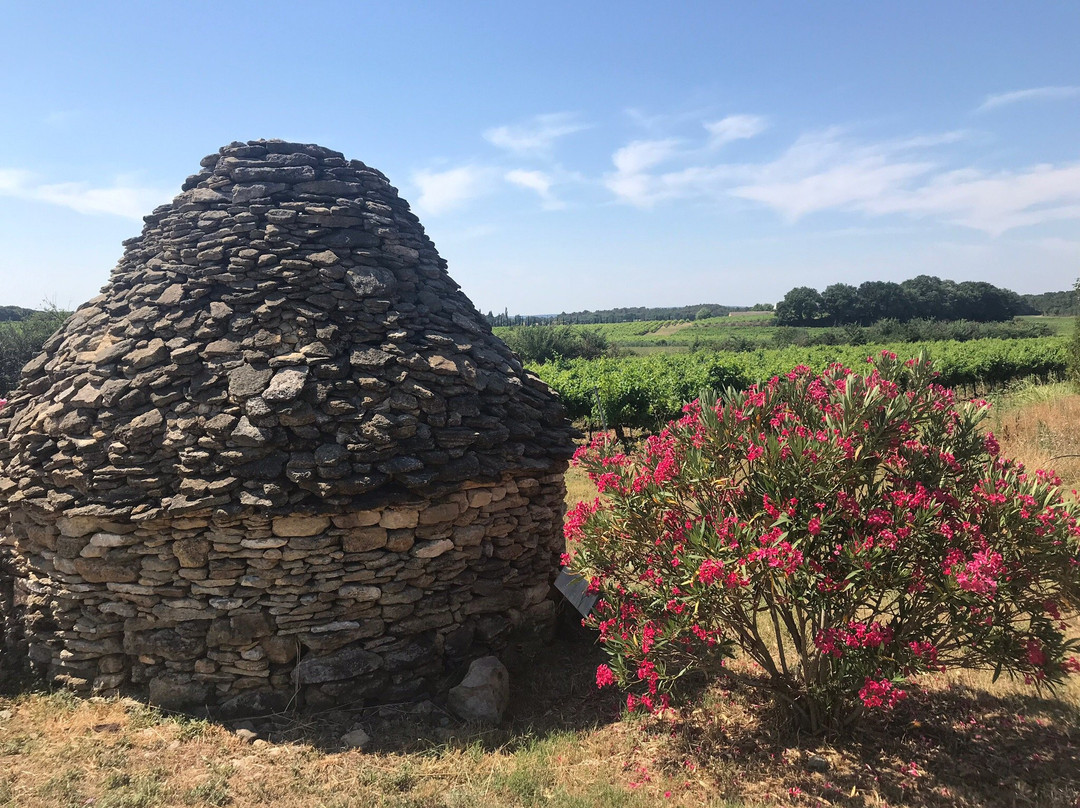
(483, 694)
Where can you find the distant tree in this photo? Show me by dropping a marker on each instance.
(932, 298)
(880, 300)
(702, 313)
(1051, 303)
(543, 343)
(984, 302)
(840, 303)
(762, 307)
(22, 340)
(11, 313)
(801, 306)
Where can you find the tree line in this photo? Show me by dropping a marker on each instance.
(698, 311)
(12, 313)
(925, 297)
(1053, 304)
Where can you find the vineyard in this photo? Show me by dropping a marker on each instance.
(759, 330)
(641, 391)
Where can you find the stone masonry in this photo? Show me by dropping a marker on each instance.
(281, 458)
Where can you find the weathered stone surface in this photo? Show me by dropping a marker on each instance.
(174, 691)
(286, 384)
(239, 629)
(191, 553)
(300, 525)
(397, 518)
(280, 650)
(356, 739)
(246, 381)
(359, 592)
(166, 643)
(100, 571)
(432, 549)
(362, 540)
(483, 694)
(76, 526)
(281, 439)
(345, 664)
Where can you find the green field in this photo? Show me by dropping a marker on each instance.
(1061, 326)
(756, 331)
(755, 328)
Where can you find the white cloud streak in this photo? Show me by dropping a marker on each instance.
(831, 171)
(1031, 94)
(630, 180)
(635, 183)
(123, 198)
(735, 127)
(444, 191)
(535, 137)
(537, 181)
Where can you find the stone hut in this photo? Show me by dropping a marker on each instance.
(280, 457)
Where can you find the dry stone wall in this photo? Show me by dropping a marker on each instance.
(281, 455)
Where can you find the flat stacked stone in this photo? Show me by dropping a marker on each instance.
(280, 452)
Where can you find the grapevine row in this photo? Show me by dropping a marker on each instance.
(641, 391)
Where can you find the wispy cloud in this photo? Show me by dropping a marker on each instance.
(630, 180)
(444, 191)
(537, 181)
(640, 155)
(735, 127)
(829, 172)
(825, 170)
(635, 183)
(536, 136)
(125, 197)
(1032, 94)
(833, 171)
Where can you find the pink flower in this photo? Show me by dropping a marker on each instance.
(814, 527)
(577, 516)
(605, 677)
(880, 694)
(607, 481)
(1035, 654)
(980, 574)
(710, 570)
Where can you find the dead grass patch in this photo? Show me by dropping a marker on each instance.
(1040, 426)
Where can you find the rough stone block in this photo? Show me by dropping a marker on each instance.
(288, 526)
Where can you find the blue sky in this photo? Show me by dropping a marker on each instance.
(566, 156)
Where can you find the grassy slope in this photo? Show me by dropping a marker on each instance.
(1063, 326)
(960, 741)
(677, 336)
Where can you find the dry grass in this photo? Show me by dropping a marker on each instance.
(1040, 425)
(958, 740)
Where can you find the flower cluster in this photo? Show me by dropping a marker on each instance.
(864, 522)
(881, 693)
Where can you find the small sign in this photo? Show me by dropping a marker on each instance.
(576, 590)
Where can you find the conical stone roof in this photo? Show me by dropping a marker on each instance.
(284, 337)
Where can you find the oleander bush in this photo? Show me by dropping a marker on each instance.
(844, 531)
